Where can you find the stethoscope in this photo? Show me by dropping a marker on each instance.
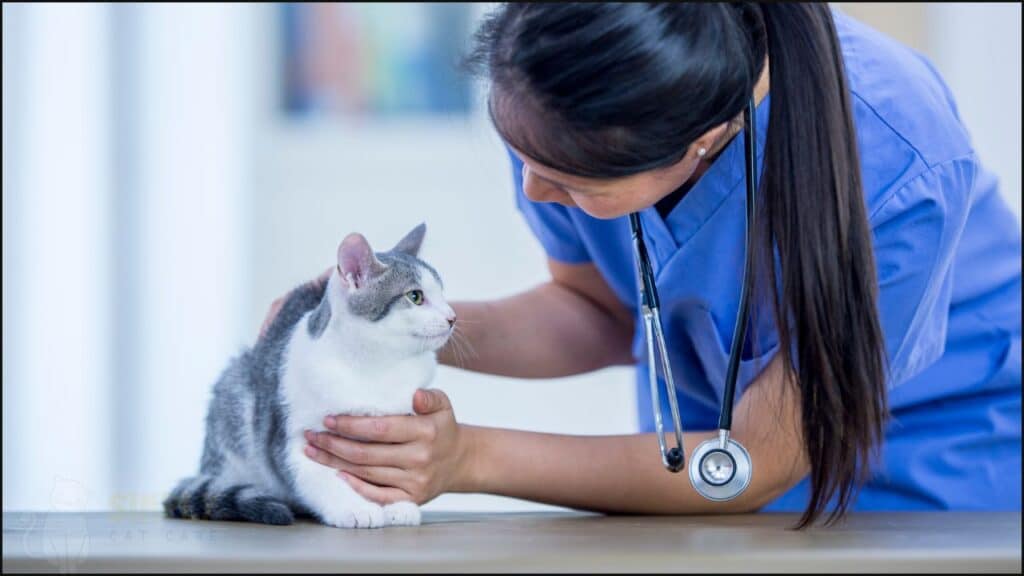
(720, 468)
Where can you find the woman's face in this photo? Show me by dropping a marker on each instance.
(604, 198)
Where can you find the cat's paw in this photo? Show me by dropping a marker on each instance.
(367, 516)
(404, 513)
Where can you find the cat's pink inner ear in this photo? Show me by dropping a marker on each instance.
(356, 261)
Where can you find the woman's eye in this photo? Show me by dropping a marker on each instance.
(415, 296)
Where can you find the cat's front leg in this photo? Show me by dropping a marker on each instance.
(329, 497)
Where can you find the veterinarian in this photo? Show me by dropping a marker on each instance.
(882, 367)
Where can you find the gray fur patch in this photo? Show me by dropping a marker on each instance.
(319, 319)
(244, 423)
(388, 289)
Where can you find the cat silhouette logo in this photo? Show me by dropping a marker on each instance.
(65, 541)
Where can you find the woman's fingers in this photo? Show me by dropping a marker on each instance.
(362, 453)
(392, 429)
(428, 401)
(380, 495)
(420, 456)
(383, 475)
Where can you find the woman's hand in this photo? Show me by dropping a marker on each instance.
(392, 458)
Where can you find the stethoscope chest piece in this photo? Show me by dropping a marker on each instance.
(720, 473)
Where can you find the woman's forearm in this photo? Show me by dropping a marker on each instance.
(612, 474)
(624, 474)
(546, 332)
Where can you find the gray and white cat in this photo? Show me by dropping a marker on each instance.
(361, 344)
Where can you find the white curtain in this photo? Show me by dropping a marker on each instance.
(125, 152)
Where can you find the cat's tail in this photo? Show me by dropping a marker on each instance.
(203, 498)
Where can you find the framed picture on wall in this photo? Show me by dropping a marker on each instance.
(375, 59)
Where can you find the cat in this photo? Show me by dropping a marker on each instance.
(362, 343)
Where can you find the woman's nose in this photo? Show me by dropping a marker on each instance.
(539, 191)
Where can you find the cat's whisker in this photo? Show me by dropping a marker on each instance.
(465, 342)
(453, 345)
(469, 345)
(460, 348)
(460, 356)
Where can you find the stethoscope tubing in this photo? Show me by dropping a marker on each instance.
(740, 329)
(673, 459)
(736, 457)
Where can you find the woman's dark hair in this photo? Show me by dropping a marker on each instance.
(610, 90)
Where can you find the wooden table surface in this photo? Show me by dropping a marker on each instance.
(525, 542)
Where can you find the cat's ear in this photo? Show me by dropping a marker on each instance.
(413, 240)
(356, 261)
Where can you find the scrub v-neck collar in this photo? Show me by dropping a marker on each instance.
(664, 237)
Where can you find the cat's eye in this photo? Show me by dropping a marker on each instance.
(415, 296)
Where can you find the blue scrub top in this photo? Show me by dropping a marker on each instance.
(947, 251)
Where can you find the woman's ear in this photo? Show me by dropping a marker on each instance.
(357, 264)
(710, 142)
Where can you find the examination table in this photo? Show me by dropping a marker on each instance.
(517, 542)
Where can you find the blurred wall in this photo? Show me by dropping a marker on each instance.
(976, 47)
(155, 203)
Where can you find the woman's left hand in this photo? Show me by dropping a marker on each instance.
(392, 458)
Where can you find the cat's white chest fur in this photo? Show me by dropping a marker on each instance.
(364, 350)
(322, 377)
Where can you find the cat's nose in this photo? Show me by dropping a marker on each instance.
(451, 320)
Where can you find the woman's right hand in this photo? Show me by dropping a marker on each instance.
(388, 459)
(275, 306)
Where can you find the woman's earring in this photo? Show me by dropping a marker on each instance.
(701, 152)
